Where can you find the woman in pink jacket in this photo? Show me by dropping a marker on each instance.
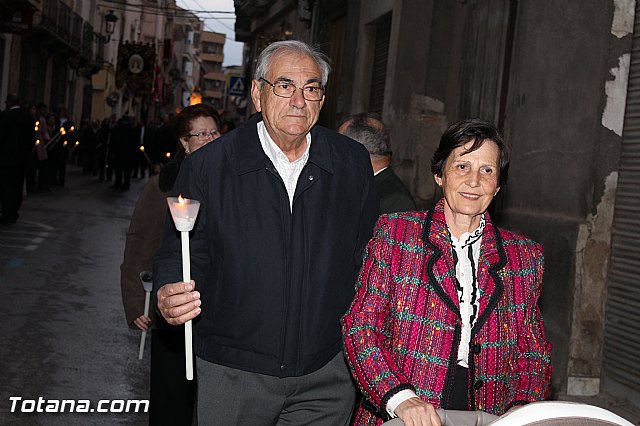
(445, 313)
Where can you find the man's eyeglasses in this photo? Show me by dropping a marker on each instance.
(203, 136)
(286, 89)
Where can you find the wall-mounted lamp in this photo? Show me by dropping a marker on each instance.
(110, 19)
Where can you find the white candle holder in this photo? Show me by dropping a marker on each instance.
(184, 213)
(146, 279)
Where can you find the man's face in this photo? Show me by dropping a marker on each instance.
(288, 119)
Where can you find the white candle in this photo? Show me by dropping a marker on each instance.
(184, 212)
(186, 277)
(147, 283)
(184, 224)
(144, 333)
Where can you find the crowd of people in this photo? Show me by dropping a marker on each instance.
(38, 143)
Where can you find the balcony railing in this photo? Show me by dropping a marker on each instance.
(68, 27)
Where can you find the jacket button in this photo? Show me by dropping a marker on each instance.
(310, 177)
(283, 367)
(477, 348)
(478, 384)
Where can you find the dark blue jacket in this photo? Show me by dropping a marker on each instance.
(274, 282)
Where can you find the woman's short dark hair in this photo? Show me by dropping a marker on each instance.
(463, 132)
(193, 112)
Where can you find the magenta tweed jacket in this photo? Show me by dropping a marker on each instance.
(403, 328)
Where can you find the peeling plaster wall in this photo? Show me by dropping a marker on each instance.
(616, 91)
(423, 125)
(593, 247)
(425, 92)
(564, 123)
(623, 17)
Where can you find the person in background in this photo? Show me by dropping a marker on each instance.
(371, 132)
(42, 139)
(446, 306)
(287, 208)
(140, 163)
(59, 150)
(54, 148)
(32, 164)
(124, 147)
(88, 137)
(227, 126)
(17, 136)
(162, 149)
(172, 396)
(111, 144)
(68, 143)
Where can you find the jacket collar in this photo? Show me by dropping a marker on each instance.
(248, 155)
(441, 269)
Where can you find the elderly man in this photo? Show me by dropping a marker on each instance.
(371, 132)
(287, 208)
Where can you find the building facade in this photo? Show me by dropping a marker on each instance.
(98, 58)
(48, 52)
(212, 84)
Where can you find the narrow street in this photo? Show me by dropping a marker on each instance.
(62, 323)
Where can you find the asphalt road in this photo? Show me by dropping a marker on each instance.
(62, 325)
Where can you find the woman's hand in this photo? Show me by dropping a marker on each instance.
(416, 412)
(142, 322)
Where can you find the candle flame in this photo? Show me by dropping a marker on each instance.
(168, 155)
(72, 129)
(64, 143)
(180, 199)
(37, 141)
(77, 143)
(62, 131)
(141, 148)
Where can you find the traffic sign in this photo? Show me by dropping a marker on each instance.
(236, 86)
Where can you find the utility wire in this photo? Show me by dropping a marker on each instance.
(176, 9)
(168, 12)
(216, 19)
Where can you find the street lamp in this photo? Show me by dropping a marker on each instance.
(111, 19)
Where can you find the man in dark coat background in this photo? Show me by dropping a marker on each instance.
(370, 131)
(17, 138)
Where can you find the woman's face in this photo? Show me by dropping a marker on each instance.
(470, 180)
(200, 125)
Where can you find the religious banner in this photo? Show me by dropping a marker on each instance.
(136, 66)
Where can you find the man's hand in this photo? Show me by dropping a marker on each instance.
(142, 322)
(416, 412)
(178, 302)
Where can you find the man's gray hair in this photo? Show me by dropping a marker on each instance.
(375, 138)
(291, 46)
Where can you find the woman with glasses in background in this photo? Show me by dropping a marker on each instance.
(172, 396)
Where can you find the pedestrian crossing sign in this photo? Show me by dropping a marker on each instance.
(236, 86)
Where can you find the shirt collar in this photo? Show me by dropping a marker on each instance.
(468, 238)
(273, 151)
(380, 171)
